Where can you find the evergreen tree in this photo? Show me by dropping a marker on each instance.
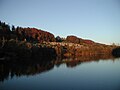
(13, 28)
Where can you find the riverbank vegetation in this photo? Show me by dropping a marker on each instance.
(17, 43)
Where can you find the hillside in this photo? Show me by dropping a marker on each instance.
(31, 43)
(27, 34)
(35, 35)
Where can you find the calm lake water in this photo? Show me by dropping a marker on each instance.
(73, 75)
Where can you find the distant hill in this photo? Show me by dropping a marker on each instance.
(31, 42)
(37, 35)
(74, 39)
(28, 34)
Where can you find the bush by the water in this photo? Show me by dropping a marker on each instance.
(21, 50)
(116, 52)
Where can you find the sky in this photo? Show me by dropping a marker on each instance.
(98, 20)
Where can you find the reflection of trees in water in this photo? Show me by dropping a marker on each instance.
(73, 62)
(9, 70)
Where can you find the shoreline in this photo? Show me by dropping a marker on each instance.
(13, 50)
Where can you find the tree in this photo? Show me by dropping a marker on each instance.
(58, 39)
(0, 23)
(13, 28)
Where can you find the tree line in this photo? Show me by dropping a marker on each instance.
(26, 34)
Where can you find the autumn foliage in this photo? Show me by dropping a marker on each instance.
(36, 42)
(25, 34)
(74, 39)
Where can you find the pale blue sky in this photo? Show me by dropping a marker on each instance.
(98, 20)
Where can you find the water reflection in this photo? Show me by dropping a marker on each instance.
(9, 70)
(73, 62)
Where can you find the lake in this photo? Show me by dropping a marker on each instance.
(61, 75)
